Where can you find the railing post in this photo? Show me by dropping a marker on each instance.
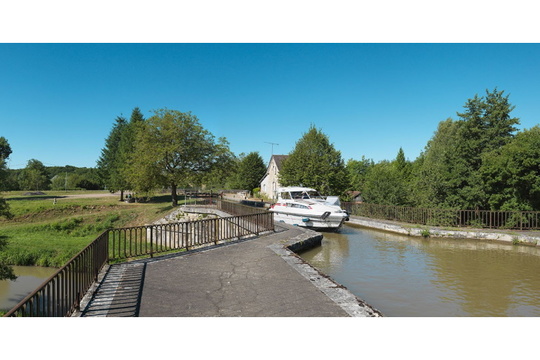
(151, 241)
(216, 230)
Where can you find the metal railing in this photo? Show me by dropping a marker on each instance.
(61, 294)
(511, 220)
(149, 240)
(236, 208)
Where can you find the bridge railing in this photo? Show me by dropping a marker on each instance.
(61, 294)
(517, 220)
(150, 240)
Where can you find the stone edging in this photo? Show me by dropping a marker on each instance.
(426, 231)
(350, 303)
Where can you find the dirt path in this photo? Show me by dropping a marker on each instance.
(96, 195)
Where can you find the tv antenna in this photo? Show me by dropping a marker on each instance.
(271, 143)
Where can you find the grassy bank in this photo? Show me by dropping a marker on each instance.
(47, 230)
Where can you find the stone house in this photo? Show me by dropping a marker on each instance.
(270, 181)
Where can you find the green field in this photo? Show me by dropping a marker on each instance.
(48, 230)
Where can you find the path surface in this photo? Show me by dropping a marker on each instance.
(90, 196)
(251, 278)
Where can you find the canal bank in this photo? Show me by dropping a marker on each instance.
(530, 238)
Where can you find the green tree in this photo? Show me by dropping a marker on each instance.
(250, 170)
(34, 176)
(384, 185)
(6, 271)
(4, 209)
(357, 171)
(315, 163)
(5, 150)
(400, 162)
(126, 146)
(173, 149)
(512, 173)
(222, 173)
(109, 164)
(448, 174)
(434, 181)
(485, 125)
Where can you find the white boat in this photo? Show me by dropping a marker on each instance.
(302, 206)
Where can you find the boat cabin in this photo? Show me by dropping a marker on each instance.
(299, 193)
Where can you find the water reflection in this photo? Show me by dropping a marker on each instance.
(28, 280)
(408, 276)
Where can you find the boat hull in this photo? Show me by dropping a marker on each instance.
(330, 222)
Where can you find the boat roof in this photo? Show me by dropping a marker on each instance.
(295, 188)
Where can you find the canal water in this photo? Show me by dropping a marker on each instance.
(404, 276)
(28, 280)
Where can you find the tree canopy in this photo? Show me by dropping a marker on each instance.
(172, 149)
(512, 173)
(315, 163)
(357, 171)
(34, 176)
(5, 151)
(249, 171)
(450, 174)
(109, 163)
(6, 271)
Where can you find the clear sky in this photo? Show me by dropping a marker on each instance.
(58, 101)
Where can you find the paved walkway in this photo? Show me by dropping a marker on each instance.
(250, 278)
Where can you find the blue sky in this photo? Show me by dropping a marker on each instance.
(58, 101)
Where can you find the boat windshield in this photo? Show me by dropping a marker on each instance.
(303, 195)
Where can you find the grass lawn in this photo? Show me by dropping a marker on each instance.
(48, 230)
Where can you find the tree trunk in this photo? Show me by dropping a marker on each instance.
(121, 195)
(173, 195)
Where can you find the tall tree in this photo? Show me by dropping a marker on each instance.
(485, 125)
(251, 168)
(224, 169)
(450, 173)
(401, 162)
(512, 173)
(357, 171)
(126, 146)
(109, 163)
(6, 271)
(5, 151)
(315, 163)
(172, 150)
(385, 185)
(435, 180)
(34, 176)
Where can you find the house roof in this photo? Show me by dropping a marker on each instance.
(354, 194)
(279, 159)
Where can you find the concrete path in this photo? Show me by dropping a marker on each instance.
(259, 277)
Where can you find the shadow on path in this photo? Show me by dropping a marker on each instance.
(119, 294)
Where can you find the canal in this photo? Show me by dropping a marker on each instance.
(404, 276)
(28, 280)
